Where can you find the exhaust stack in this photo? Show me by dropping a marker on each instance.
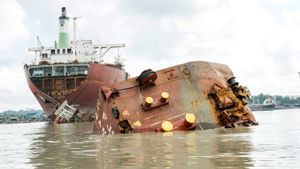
(64, 37)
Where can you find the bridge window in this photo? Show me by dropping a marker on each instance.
(48, 71)
(72, 70)
(83, 70)
(59, 70)
(77, 70)
(40, 71)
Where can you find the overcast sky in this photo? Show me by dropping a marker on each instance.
(258, 39)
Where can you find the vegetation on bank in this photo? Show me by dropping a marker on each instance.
(280, 100)
(10, 116)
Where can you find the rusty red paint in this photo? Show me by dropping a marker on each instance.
(84, 97)
(190, 87)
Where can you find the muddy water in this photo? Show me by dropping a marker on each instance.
(275, 143)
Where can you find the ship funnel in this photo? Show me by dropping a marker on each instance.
(64, 39)
(63, 11)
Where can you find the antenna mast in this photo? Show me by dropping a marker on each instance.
(74, 27)
(39, 48)
(39, 43)
(119, 62)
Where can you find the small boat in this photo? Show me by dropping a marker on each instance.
(268, 104)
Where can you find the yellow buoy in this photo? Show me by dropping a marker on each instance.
(148, 101)
(167, 126)
(189, 120)
(164, 96)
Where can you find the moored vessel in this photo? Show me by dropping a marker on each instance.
(267, 105)
(65, 78)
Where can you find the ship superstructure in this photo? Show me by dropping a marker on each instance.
(65, 78)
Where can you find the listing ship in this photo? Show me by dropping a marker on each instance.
(73, 84)
(65, 78)
(195, 95)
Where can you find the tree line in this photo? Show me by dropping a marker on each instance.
(23, 115)
(280, 100)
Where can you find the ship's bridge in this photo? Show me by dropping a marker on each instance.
(81, 51)
(58, 70)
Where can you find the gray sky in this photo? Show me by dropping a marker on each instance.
(258, 39)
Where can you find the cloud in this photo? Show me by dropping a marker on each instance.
(14, 90)
(12, 27)
(258, 39)
(156, 8)
(13, 34)
(280, 2)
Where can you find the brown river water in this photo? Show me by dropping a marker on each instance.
(275, 143)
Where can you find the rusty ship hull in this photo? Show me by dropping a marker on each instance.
(194, 95)
(65, 77)
(79, 91)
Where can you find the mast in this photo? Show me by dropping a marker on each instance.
(64, 39)
(74, 27)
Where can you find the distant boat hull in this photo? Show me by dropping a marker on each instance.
(263, 107)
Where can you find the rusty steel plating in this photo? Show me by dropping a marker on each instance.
(194, 95)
